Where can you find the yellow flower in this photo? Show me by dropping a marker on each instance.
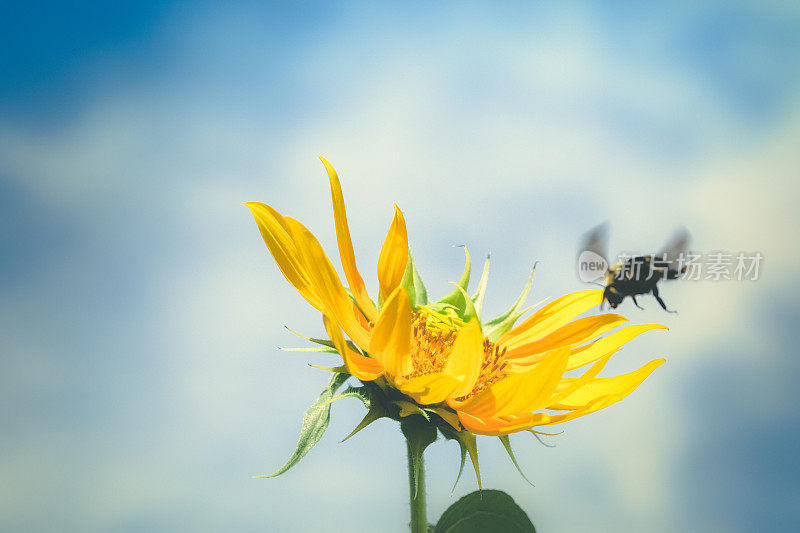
(480, 377)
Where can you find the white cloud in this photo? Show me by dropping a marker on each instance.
(460, 169)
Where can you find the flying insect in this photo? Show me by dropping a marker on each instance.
(634, 275)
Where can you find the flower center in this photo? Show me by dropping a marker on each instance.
(433, 336)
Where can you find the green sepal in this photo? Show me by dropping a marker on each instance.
(472, 448)
(482, 511)
(507, 445)
(375, 402)
(420, 434)
(468, 311)
(455, 298)
(451, 434)
(342, 368)
(315, 422)
(413, 409)
(444, 309)
(543, 443)
(362, 393)
(439, 419)
(412, 283)
(497, 326)
(376, 412)
(320, 349)
(324, 342)
(477, 298)
(469, 445)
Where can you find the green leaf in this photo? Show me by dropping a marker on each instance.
(315, 422)
(412, 283)
(485, 511)
(455, 298)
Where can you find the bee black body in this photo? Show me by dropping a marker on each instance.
(635, 276)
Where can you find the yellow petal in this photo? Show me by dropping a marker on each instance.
(428, 389)
(552, 316)
(364, 368)
(513, 423)
(492, 426)
(570, 385)
(573, 334)
(394, 256)
(281, 245)
(606, 391)
(336, 303)
(466, 357)
(520, 392)
(391, 337)
(607, 345)
(354, 279)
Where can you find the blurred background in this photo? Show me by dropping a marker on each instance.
(141, 384)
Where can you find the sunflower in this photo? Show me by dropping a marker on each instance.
(440, 359)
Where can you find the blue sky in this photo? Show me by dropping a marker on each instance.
(141, 381)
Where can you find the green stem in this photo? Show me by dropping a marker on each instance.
(419, 518)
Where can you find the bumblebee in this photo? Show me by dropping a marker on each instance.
(635, 275)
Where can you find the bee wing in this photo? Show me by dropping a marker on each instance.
(670, 255)
(592, 263)
(596, 240)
